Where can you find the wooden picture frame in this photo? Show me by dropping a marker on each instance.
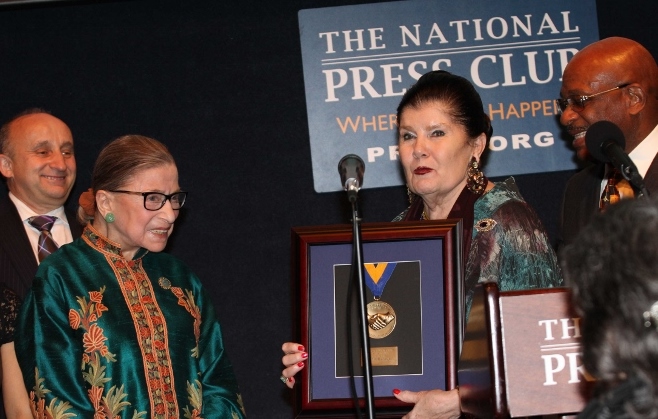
(425, 290)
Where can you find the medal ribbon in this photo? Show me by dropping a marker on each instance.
(377, 275)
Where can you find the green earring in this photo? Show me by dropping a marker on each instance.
(109, 217)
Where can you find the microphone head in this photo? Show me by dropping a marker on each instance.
(351, 167)
(603, 133)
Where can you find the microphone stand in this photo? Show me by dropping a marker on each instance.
(357, 250)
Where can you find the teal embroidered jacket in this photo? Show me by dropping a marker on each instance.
(99, 336)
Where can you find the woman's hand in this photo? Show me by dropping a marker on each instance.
(433, 404)
(294, 361)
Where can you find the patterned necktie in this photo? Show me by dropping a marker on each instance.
(46, 244)
(616, 189)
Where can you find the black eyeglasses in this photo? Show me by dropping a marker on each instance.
(578, 103)
(153, 201)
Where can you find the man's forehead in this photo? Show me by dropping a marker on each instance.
(39, 128)
(581, 78)
(47, 143)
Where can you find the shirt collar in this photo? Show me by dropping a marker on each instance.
(26, 212)
(645, 152)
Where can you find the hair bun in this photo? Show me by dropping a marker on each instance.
(87, 202)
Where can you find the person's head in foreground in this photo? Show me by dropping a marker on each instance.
(612, 268)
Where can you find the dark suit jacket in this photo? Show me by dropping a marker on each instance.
(581, 198)
(17, 262)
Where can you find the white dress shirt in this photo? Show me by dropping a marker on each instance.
(642, 155)
(61, 230)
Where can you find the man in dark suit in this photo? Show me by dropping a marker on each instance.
(614, 79)
(37, 161)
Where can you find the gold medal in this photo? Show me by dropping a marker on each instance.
(381, 319)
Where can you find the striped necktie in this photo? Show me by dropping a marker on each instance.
(46, 244)
(616, 189)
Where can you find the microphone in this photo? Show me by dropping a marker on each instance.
(605, 142)
(351, 168)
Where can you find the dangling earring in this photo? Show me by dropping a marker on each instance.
(410, 195)
(109, 217)
(475, 180)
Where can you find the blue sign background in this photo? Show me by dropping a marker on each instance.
(358, 61)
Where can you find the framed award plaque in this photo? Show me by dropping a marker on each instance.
(413, 277)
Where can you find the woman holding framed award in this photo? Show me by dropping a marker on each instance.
(443, 132)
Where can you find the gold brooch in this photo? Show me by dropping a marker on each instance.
(164, 282)
(486, 224)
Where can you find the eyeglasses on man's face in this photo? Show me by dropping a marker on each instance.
(578, 102)
(153, 201)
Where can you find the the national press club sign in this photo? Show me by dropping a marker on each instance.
(359, 60)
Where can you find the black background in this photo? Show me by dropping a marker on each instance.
(220, 82)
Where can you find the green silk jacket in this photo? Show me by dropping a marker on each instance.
(99, 336)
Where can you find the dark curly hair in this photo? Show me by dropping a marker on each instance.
(612, 267)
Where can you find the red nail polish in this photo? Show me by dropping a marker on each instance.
(304, 355)
(300, 348)
(396, 391)
(301, 364)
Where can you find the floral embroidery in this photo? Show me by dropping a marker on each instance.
(95, 349)
(195, 396)
(151, 331)
(100, 243)
(239, 399)
(93, 339)
(74, 319)
(55, 410)
(93, 372)
(186, 299)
